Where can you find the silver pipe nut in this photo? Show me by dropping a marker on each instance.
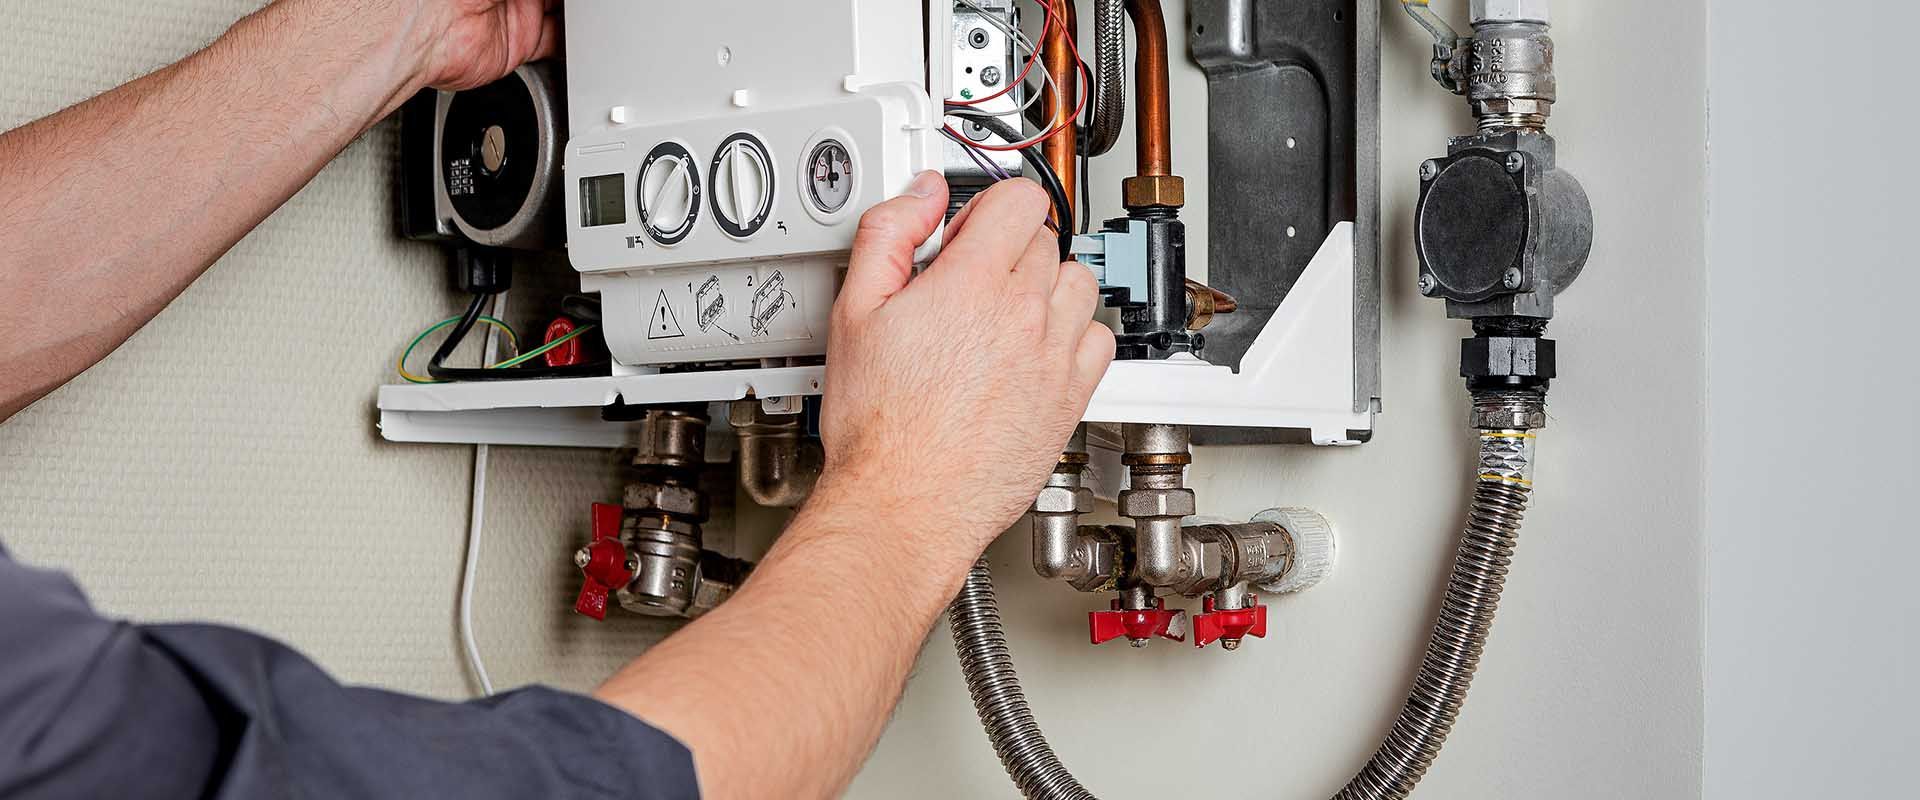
(1143, 503)
(1511, 11)
(1508, 411)
(1063, 500)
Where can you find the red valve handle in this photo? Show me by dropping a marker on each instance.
(1213, 625)
(1137, 625)
(606, 562)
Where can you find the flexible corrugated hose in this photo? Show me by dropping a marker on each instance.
(1002, 705)
(1466, 617)
(1502, 485)
(1109, 71)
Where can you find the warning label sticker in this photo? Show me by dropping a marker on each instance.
(748, 306)
(664, 324)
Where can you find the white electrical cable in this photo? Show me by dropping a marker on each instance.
(476, 523)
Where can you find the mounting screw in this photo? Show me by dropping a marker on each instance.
(1428, 285)
(979, 38)
(582, 557)
(1511, 280)
(1516, 162)
(990, 76)
(1429, 170)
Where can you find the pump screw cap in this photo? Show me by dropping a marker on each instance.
(1314, 547)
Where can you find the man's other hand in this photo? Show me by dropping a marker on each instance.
(464, 44)
(949, 397)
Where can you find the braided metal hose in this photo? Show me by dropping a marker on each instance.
(1109, 70)
(988, 667)
(1466, 617)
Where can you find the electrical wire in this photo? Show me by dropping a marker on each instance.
(1043, 172)
(476, 523)
(436, 368)
(985, 164)
(1059, 124)
(1019, 39)
(401, 365)
(543, 349)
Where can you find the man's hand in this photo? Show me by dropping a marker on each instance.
(950, 397)
(948, 400)
(464, 44)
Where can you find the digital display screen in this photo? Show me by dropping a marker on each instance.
(603, 200)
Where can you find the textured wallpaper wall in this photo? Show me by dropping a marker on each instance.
(224, 465)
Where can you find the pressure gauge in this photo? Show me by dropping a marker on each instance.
(742, 180)
(830, 176)
(669, 193)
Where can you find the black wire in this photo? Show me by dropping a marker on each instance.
(580, 306)
(1086, 191)
(470, 318)
(1049, 180)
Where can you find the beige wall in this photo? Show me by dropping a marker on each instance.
(223, 465)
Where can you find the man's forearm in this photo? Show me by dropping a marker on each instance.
(784, 690)
(111, 208)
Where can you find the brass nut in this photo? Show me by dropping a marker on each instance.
(1146, 191)
(681, 500)
(1156, 459)
(1062, 500)
(1138, 504)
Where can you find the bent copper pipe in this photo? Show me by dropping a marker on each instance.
(1057, 59)
(1152, 127)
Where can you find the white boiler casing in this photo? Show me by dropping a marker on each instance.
(719, 161)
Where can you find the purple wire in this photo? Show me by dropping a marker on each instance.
(985, 164)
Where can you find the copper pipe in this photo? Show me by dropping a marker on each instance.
(1057, 60)
(1152, 126)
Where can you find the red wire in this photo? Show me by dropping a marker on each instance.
(1032, 59)
(1087, 80)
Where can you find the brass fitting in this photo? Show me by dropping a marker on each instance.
(1204, 301)
(1150, 191)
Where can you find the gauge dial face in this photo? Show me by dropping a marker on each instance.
(830, 176)
(742, 185)
(669, 193)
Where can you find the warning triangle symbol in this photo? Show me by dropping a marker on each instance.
(663, 324)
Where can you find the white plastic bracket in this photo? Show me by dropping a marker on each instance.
(1297, 375)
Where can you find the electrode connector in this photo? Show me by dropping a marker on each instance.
(1141, 264)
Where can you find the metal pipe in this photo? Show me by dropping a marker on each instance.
(1153, 135)
(1157, 500)
(779, 464)
(987, 664)
(1057, 59)
(1109, 78)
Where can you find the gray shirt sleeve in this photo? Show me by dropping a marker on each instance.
(92, 707)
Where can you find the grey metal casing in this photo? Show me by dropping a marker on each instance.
(1293, 147)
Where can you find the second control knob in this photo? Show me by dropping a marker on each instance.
(742, 178)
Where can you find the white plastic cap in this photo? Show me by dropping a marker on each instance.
(1313, 548)
(1510, 11)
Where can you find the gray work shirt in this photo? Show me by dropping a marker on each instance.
(93, 707)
